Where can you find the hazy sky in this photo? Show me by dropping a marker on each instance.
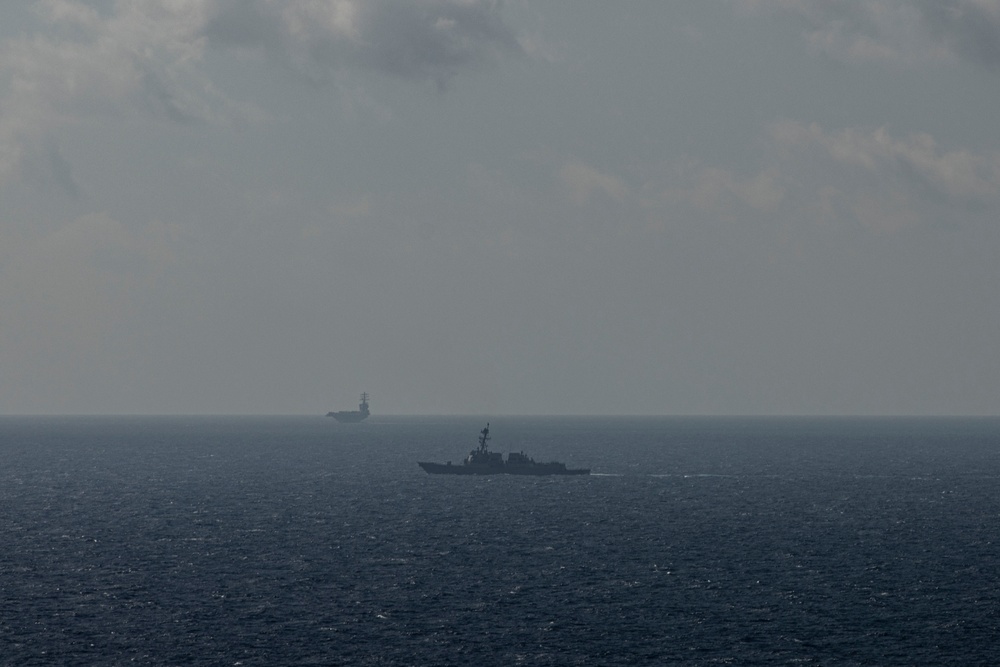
(462, 206)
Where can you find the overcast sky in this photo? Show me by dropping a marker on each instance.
(476, 207)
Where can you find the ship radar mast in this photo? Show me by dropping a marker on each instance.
(484, 437)
(363, 407)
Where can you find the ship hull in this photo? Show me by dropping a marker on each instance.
(538, 470)
(348, 416)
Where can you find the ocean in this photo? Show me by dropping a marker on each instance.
(302, 541)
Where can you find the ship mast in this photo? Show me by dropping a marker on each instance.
(484, 437)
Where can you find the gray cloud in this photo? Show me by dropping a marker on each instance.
(970, 28)
(146, 56)
(855, 175)
(141, 58)
(885, 183)
(48, 167)
(421, 40)
(900, 31)
(880, 30)
(959, 175)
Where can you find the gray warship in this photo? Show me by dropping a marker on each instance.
(481, 461)
(352, 415)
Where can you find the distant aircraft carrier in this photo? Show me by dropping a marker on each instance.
(353, 415)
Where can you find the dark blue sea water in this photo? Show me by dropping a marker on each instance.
(301, 541)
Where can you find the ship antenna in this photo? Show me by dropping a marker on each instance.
(484, 437)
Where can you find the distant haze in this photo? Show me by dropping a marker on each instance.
(485, 207)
